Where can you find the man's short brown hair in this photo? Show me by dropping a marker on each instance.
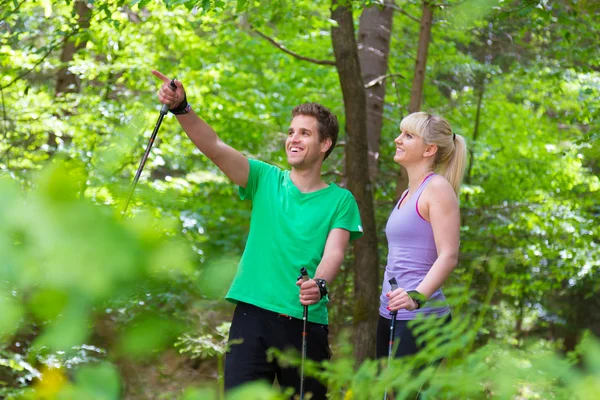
(327, 122)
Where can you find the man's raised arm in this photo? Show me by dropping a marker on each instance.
(233, 163)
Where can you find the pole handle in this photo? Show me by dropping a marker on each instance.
(394, 286)
(304, 274)
(165, 108)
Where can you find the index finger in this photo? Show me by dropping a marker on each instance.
(160, 76)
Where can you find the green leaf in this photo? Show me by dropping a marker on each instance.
(240, 5)
(68, 330)
(101, 382)
(199, 394)
(147, 335)
(11, 312)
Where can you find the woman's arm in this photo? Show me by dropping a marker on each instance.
(440, 208)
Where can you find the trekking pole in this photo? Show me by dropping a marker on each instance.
(304, 275)
(394, 286)
(163, 111)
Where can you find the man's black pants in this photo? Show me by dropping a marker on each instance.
(260, 329)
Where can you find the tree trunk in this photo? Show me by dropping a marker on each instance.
(66, 82)
(365, 250)
(416, 92)
(374, 33)
(480, 90)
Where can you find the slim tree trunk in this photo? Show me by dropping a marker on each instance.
(365, 249)
(374, 32)
(480, 90)
(416, 93)
(66, 82)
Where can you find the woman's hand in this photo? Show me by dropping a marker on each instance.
(399, 299)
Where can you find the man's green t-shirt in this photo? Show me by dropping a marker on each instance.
(288, 231)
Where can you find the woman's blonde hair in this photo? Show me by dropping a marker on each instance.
(451, 156)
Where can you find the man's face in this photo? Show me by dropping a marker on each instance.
(302, 145)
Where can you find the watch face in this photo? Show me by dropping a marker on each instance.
(322, 284)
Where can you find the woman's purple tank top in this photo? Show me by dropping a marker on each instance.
(411, 253)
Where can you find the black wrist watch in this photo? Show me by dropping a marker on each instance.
(322, 284)
(417, 297)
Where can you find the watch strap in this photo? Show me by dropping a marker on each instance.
(183, 107)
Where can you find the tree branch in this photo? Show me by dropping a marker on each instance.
(60, 42)
(37, 63)
(381, 78)
(10, 12)
(401, 11)
(291, 53)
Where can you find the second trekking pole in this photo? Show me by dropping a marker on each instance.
(163, 111)
(394, 286)
(304, 275)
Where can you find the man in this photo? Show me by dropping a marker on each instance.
(297, 221)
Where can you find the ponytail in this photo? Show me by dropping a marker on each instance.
(454, 169)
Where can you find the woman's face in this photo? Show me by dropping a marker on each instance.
(409, 148)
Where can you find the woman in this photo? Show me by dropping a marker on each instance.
(423, 230)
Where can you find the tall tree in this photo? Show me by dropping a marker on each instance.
(416, 92)
(66, 81)
(374, 34)
(365, 250)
